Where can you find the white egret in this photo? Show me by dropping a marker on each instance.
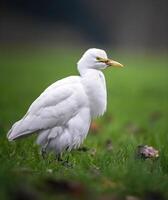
(62, 114)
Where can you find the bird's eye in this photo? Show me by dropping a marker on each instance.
(98, 59)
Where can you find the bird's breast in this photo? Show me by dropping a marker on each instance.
(95, 88)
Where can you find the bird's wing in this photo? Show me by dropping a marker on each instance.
(63, 87)
(54, 107)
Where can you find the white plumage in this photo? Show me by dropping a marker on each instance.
(62, 114)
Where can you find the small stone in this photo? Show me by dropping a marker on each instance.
(145, 151)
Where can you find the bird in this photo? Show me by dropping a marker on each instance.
(61, 116)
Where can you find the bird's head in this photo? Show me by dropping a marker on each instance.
(96, 59)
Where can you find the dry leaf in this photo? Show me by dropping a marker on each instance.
(95, 127)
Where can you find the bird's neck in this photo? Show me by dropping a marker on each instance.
(85, 71)
(82, 71)
(84, 68)
(95, 87)
(93, 75)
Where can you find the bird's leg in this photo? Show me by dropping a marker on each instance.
(59, 157)
(43, 150)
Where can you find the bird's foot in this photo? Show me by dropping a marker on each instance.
(59, 158)
(65, 163)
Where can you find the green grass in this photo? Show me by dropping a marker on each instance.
(137, 114)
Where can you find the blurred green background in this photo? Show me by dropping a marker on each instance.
(41, 42)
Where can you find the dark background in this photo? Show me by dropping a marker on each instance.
(118, 24)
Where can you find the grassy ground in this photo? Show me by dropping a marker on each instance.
(106, 168)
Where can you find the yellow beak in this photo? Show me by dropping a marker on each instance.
(113, 63)
(110, 62)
